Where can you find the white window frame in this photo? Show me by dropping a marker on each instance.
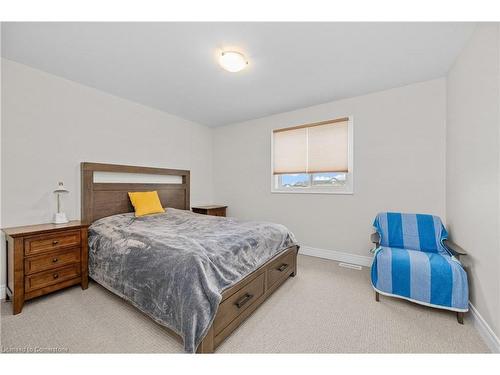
(346, 189)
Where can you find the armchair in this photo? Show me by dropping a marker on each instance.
(415, 260)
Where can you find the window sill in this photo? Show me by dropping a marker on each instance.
(340, 192)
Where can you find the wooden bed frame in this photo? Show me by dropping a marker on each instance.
(239, 301)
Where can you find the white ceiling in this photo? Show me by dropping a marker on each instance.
(173, 66)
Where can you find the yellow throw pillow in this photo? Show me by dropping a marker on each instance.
(146, 202)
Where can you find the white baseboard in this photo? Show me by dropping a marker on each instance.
(2, 292)
(485, 330)
(340, 256)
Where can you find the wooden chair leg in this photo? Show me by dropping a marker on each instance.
(377, 296)
(460, 317)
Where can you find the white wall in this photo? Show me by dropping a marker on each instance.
(399, 157)
(50, 125)
(473, 166)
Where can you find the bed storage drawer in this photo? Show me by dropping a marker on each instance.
(280, 268)
(51, 260)
(238, 302)
(41, 244)
(47, 278)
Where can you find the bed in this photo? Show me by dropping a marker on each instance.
(199, 276)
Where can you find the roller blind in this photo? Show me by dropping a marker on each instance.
(314, 148)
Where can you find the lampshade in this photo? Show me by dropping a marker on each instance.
(61, 188)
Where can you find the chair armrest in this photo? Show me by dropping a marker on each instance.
(454, 248)
(375, 238)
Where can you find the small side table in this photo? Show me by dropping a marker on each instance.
(213, 210)
(44, 258)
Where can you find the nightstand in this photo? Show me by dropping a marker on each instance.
(214, 210)
(45, 258)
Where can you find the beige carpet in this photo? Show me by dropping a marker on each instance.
(324, 309)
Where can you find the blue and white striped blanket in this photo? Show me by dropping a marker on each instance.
(413, 263)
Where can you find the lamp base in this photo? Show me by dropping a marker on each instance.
(60, 218)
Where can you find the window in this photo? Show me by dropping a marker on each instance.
(313, 158)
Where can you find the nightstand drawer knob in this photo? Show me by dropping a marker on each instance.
(54, 260)
(56, 275)
(55, 242)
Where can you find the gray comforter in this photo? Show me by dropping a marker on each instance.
(174, 266)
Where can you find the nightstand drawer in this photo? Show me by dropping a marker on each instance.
(40, 244)
(217, 212)
(51, 260)
(43, 279)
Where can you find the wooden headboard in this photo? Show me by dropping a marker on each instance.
(100, 199)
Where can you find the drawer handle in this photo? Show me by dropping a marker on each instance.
(54, 260)
(243, 300)
(56, 276)
(55, 242)
(283, 267)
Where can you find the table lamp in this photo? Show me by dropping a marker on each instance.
(60, 217)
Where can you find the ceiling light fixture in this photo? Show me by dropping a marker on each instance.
(232, 61)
